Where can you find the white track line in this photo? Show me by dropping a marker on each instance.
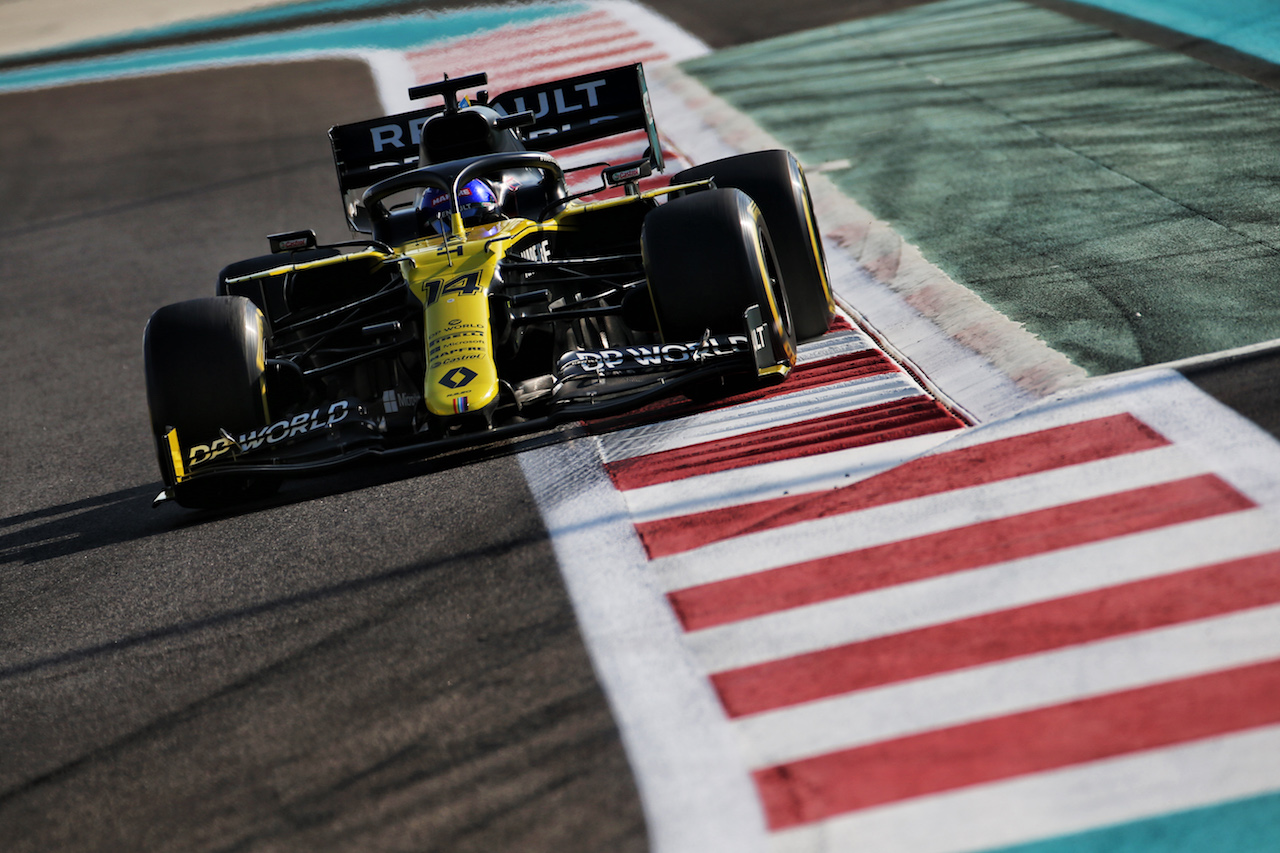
(688, 768)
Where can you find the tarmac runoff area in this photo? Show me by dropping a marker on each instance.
(1115, 198)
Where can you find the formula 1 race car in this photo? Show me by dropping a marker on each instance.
(482, 299)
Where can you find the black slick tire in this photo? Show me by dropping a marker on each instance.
(708, 257)
(205, 362)
(776, 182)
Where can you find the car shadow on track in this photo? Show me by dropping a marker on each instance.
(75, 527)
(125, 515)
(367, 475)
(387, 579)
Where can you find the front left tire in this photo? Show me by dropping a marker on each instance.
(205, 362)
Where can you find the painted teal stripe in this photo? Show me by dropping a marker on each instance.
(1244, 826)
(239, 20)
(1249, 26)
(391, 33)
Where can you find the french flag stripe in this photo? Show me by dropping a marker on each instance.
(977, 465)
(955, 550)
(1127, 608)
(1040, 740)
(883, 422)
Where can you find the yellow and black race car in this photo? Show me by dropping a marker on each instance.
(481, 298)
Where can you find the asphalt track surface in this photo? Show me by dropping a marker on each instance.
(374, 661)
(382, 659)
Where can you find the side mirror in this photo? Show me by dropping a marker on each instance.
(628, 175)
(292, 241)
(521, 119)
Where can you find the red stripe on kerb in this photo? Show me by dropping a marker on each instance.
(956, 550)
(839, 431)
(1117, 724)
(1129, 608)
(843, 368)
(1004, 459)
(840, 324)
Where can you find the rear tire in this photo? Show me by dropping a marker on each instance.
(205, 361)
(776, 182)
(708, 257)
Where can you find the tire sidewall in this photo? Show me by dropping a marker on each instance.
(776, 182)
(205, 362)
(708, 256)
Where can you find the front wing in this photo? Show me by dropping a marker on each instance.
(588, 384)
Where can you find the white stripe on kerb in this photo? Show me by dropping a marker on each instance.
(772, 412)
(688, 768)
(806, 475)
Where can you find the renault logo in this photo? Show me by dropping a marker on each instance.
(458, 377)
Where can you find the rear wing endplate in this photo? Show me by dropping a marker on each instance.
(565, 112)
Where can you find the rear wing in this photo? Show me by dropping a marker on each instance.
(565, 112)
(368, 151)
(585, 108)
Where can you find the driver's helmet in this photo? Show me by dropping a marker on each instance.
(477, 200)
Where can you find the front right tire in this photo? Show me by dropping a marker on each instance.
(776, 182)
(708, 257)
